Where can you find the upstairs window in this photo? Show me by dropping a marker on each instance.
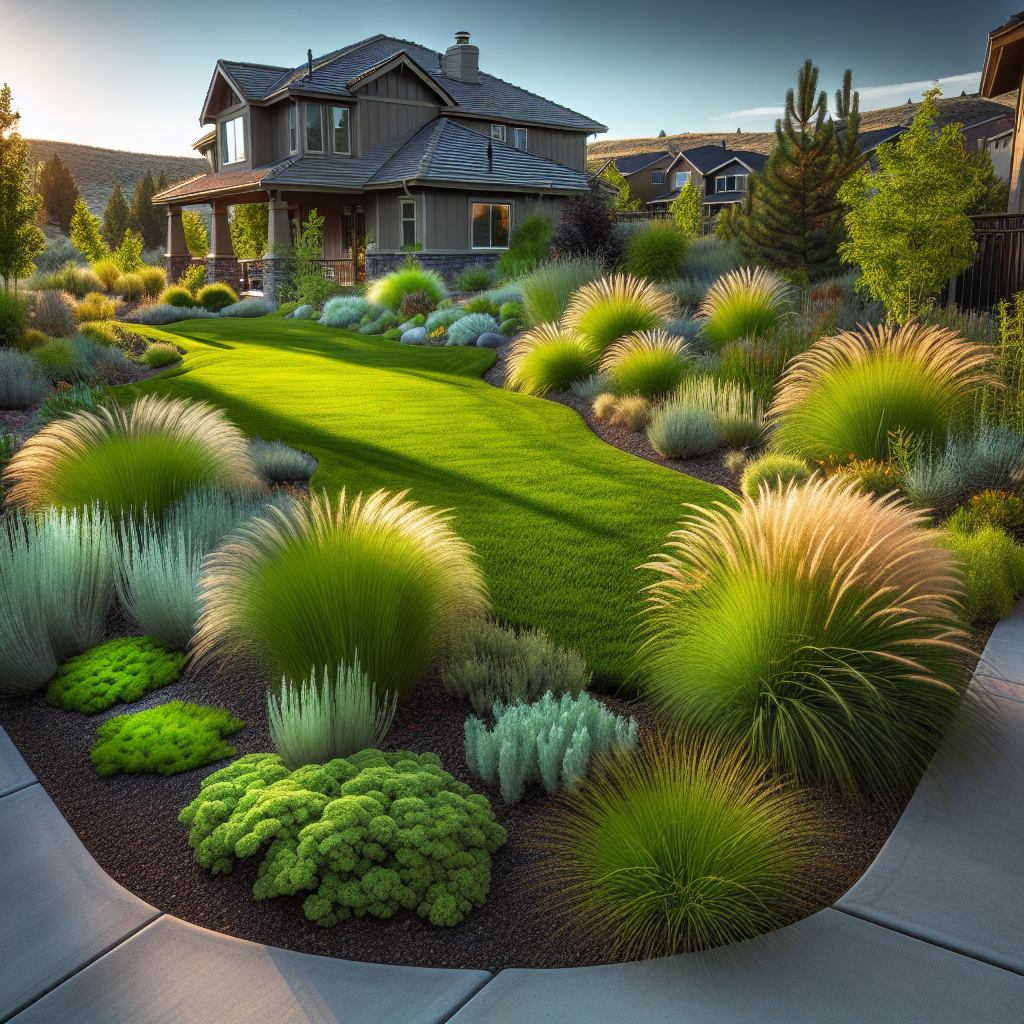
(731, 183)
(407, 207)
(680, 179)
(339, 119)
(519, 138)
(657, 177)
(498, 132)
(233, 134)
(490, 225)
(314, 129)
(293, 131)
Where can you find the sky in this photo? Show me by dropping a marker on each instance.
(132, 74)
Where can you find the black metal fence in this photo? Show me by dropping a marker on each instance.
(998, 269)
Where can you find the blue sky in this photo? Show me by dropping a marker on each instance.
(132, 74)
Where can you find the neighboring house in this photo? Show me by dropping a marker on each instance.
(721, 174)
(644, 173)
(411, 148)
(1004, 71)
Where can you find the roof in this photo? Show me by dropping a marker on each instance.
(872, 140)
(638, 161)
(724, 197)
(755, 161)
(1004, 58)
(334, 72)
(205, 140)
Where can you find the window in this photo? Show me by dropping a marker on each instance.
(657, 177)
(234, 140)
(519, 138)
(408, 212)
(339, 119)
(314, 129)
(680, 179)
(490, 225)
(293, 130)
(731, 183)
(498, 132)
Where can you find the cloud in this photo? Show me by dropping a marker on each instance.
(752, 112)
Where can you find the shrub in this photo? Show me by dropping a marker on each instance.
(102, 332)
(657, 252)
(129, 287)
(549, 358)
(649, 363)
(177, 295)
(548, 742)
(510, 311)
(57, 571)
(216, 296)
(993, 571)
(492, 663)
(168, 739)
(22, 383)
(108, 272)
(141, 457)
(13, 318)
(344, 311)
(744, 304)
(59, 360)
(118, 670)
(632, 412)
(547, 291)
(55, 314)
(529, 245)
(615, 306)
(477, 277)
(390, 290)
(314, 289)
(872, 476)
(95, 307)
(160, 315)
(684, 847)
(481, 304)
(311, 587)
(323, 719)
(78, 281)
(417, 304)
(31, 339)
(64, 402)
(590, 387)
(469, 328)
(395, 334)
(253, 306)
(442, 319)
(193, 278)
(383, 323)
(990, 508)
(681, 431)
(813, 626)
(428, 838)
(279, 463)
(154, 280)
(160, 354)
(845, 395)
(739, 413)
(585, 227)
(773, 470)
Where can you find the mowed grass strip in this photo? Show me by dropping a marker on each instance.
(560, 520)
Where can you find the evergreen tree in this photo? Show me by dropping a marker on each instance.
(145, 219)
(20, 239)
(197, 238)
(85, 234)
(993, 192)
(848, 124)
(661, 134)
(626, 200)
(249, 230)
(59, 191)
(115, 217)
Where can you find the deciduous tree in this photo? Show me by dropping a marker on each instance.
(249, 230)
(20, 239)
(86, 235)
(686, 209)
(626, 200)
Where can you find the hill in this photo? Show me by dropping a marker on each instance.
(97, 169)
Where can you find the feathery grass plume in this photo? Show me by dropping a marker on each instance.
(56, 587)
(649, 363)
(107, 271)
(993, 571)
(632, 412)
(680, 431)
(613, 307)
(388, 291)
(773, 470)
(321, 719)
(738, 412)
(154, 280)
(22, 383)
(547, 291)
(845, 395)
(161, 354)
(279, 463)
(590, 387)
(378, 575)
(139, 457)
(816, 626)
(746, 303)
(734, 462)
(603, 406)
(549, 358)
(55, 314)
(681, 845)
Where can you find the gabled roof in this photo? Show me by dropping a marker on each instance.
(401, 58)
(255, 80)
(637, 161)
(704, 158)
(752, 161)
(1004, 58)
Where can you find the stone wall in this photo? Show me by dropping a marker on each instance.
(447, 264)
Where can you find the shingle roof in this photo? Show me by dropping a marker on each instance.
(255, 80)
(871, 140)
(637, 161)
(204, 184)
(724, 197)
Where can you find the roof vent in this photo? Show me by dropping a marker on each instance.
(462, 61)
(309, 60)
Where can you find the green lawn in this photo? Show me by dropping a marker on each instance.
(560, 519)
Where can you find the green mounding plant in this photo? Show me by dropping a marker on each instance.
(193, 279)
(648, 363)
(656, 252)
(549, 358)
(96, 307)
(129, 287)
(609, 309)
(872, 477)
(132, 460)
(59, 360)
(380, 576)
(491, 663)
(745, 304)
(548, 290)
(816, 627)
(31, 339)
(683, 845)
(739, 413)
(383, 323)
(529, 245)
(400, 830)
(481, 304)
(632, 412)
(993, 570)
(102, 332)
(166, 740)
(442, 319)
(176, 295)
(774, 470)
(345, 311)
(161, 354)
(506, 294)
(590, 387)
(22, 383)
(63, 402)
(253, 306)
(477, 277)
(108, 272)
(56, 588)
(511, 311)
(118, 670)
(216, 296)
(469, 328)
(549, 742)
(680, 431)
(990, 508)
(55, 314)
(101, 359)
(276, 462)
(388, 291)
(322, 719)
(154, 280)
(846, 395)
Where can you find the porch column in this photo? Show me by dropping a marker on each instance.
(177, 258)
(221, 264)
(279, 237)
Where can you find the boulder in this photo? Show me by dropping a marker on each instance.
(491, 340)
(414, 336)
(303, 313)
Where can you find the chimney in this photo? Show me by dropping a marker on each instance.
(723, 144)
(309, 59)
(462, 61)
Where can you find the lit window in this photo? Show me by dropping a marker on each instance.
(339, 118)
(498, 132)
(519, 138)
(490, 225)
(293, 131)
(408, 210)
(234, 140)
(657, 177)
(314, 129)
(680, 178)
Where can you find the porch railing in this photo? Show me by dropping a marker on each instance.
(997, 272)
(344, 272)
(630, 216)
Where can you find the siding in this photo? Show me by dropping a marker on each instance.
(566, 148)
(383, 120)
(399, 85)
(643, 188)
(448, 210)
(261, 135)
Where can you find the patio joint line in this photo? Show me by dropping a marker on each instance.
(18, 789)
(472, 995)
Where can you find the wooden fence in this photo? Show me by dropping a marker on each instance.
(998, 269)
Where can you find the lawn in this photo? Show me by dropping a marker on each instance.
(560, 520)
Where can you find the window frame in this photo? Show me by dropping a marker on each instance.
(238, 135)
(334, 131)
(490, 224)
(685, 175)
(403, 204)
(293, 128)
(319, 107)
(499, 135)
(516, 132)
(657, 177)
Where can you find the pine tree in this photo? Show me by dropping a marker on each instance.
(59, 191)
(115, 217)
(661, 134)
(144, 218)
(197, 238)
(993, 192)
(249, 230)
(626, 200)
(85, 234)
(20, 239)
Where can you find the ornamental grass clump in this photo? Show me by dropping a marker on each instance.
(323, 717)
(55, 314)
(847, 395)
(681, 431)
(648, 363)
(547, 291)
(774, 470)
(549, 358)
(993, 570)
(376, 575)
(470, 327)
(657, 251)
(738, 412)
(279, 463)
(633, 412)
(390, 290)
(22, 382)
(367, 834)
(442, 319)
(161, 354)
(216, 296)
(744, 304)
(345, 310)
(613, 307)
(133, 460)
(815, 626)
(679, 846)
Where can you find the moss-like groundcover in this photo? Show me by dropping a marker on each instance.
(118, 670)
(168, 739)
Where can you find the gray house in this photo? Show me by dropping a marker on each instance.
(405, 147)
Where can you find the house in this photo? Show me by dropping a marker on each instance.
(644, 172)
(388, 140)
(1004, 71)
(721, 174)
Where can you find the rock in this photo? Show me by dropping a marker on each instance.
(406, 327)
(414, 336)
(303, 313)
(491, 340)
